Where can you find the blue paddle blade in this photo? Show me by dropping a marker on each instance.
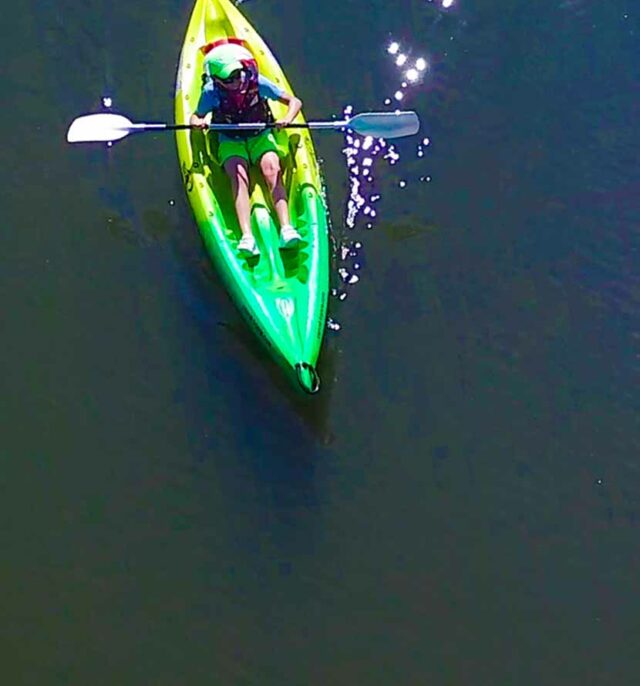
(385, 124)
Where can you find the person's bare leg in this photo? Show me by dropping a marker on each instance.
(270, 167)
(237, 169)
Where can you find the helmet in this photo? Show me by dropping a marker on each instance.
(225, 58)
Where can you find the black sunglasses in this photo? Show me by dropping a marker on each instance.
(234, 76)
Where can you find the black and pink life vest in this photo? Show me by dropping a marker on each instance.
(244, 105)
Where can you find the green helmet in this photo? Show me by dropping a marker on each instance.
(225, 59)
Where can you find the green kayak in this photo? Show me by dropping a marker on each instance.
(283, 293)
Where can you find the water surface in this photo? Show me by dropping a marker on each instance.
(461, 502)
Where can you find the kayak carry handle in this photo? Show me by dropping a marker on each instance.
(308, 377)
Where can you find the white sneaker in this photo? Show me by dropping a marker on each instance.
(248, 247)
(289, 237)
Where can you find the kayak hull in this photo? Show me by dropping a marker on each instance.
(282, 294)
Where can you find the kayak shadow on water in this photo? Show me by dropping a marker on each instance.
(250, 438)
(313, 410)
(268, 480)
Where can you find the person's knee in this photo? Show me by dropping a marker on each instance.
(270, 165)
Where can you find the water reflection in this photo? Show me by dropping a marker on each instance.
(362, 154)
(417, 72)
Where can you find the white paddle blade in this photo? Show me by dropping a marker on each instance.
(385, 124)
(98, 128)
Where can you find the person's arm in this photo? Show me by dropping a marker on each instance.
(270, 90)
(295, 105)
(206, 103)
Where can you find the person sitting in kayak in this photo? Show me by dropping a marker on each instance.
(233, 91)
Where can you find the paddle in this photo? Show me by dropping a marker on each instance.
(97, 128)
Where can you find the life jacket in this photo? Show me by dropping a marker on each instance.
(244, 105)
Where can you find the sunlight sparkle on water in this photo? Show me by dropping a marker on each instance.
(412, 75)
(363, 153)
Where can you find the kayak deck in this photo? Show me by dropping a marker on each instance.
(282, 293)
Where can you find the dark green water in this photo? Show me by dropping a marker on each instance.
(461, 504)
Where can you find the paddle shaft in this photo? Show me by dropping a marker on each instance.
(235, 127)
(109, 127)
